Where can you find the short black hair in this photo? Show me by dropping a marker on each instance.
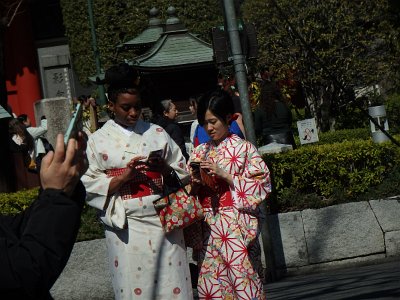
(121, 75)
(121, 79)
(218, 102)
(114, 93)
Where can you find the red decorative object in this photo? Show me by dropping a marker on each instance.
(179, 209)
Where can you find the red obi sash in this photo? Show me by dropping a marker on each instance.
(222, 197)
(142, 183)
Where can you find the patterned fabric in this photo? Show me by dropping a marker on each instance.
(141, 185)
(141, 257)
(230, 260)
(178, 210)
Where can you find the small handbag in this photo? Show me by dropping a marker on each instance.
(178, 209)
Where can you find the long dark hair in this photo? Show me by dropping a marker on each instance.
(16, 127)
(218, 102)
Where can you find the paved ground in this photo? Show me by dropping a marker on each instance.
(86, 276)
(380, 281)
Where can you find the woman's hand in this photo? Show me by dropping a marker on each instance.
(212, 169)
(133, 166)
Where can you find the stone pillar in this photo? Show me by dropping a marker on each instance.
(58, 112)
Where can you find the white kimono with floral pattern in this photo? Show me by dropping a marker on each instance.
(230, 260)
(144, 262)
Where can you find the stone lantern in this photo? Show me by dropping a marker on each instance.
(379, 115)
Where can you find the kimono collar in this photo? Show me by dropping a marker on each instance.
(139, 128)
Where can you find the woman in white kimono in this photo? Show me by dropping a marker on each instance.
(231, 183)
(120, 182)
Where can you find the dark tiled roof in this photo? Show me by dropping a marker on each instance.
(148, 36)
(175, 50)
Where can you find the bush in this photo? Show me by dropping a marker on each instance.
(344, 135)
(321, 175)
(14, 203)
(393, 113)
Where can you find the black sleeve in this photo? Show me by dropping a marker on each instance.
(176, 134)
(35, 246)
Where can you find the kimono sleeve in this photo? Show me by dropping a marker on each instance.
(253, 185)
(95, 179)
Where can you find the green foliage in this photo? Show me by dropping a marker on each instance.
(355, 41)
(329, 173)
(339, 136)
(91, 228)
(13, 203)
(393, 113)
(119, 21)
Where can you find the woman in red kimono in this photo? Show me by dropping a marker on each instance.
(232, 182)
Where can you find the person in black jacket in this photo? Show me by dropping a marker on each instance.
(35, 245)
(166, 113)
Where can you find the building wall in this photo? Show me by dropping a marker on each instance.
(21, 69)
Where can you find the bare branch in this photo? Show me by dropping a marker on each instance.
(15, 13)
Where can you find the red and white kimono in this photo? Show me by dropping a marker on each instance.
(230, 260)
(144, 262)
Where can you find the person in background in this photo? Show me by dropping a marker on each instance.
(193, 110)
(231, 183)
(20, 141)
(35, 245)
(272, 117)
(41, 143)
(122, 182)
(90, 120)
(165, 116)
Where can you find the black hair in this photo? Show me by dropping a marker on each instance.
(22, 118)
(121, 78)
(216, 101)
(15, 126)
(114, 93)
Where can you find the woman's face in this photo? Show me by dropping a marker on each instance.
(127, 109)
(216, 128)
(172, 113)
(192, 108)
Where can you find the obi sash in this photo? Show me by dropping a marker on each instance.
(216, 199)
(142, 183)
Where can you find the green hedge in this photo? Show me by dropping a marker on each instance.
(13, 203)
(344, 135)
(318, 175)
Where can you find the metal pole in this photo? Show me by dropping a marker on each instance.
(241, 79)
(102, 97)
(240, 70)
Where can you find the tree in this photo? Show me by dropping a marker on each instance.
(354, 44)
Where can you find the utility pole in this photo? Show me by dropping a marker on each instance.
(231, 24)
(239, 64)
(102, 97)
